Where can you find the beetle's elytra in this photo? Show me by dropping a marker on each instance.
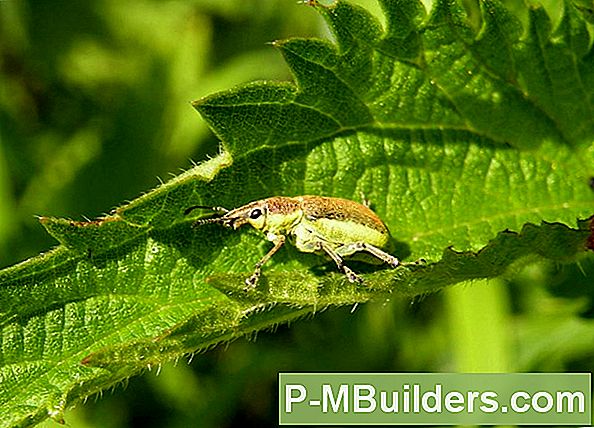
(337, 227)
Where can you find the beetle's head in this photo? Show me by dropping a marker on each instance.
(254, 213)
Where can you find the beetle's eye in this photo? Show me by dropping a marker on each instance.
(257, 212)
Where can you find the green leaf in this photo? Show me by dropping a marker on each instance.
(475, 148)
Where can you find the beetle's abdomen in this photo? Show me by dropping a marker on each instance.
(348, 232)
(345, 221)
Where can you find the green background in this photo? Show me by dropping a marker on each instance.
(94, 107)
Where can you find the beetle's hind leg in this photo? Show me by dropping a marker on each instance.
(352, 276)
(350, 249)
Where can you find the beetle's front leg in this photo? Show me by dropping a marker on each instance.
(253, 279)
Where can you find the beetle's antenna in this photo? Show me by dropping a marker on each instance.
(220, 210)
(200, 222)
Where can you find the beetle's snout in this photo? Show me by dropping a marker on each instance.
(230, 222)
(233, 222)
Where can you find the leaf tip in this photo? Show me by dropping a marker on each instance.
(43, 219)
(196, 103)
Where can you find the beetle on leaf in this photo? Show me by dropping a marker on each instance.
(337, 227)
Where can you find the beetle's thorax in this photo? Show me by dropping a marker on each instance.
(283, 213)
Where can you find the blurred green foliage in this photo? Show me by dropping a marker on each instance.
(95, 97)
(94, 105)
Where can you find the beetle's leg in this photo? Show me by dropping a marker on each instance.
(253, 279)
(352, 276)
(350, 249)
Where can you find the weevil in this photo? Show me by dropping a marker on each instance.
(338, 228)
